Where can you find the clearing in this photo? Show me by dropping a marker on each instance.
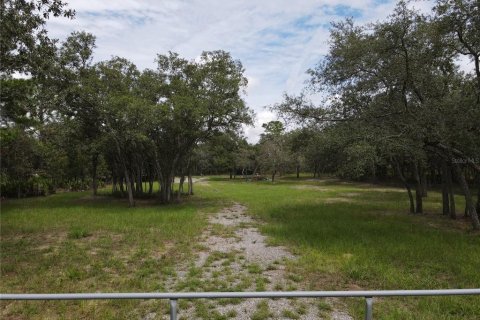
(236, 235)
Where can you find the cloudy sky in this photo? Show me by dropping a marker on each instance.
(276, 40)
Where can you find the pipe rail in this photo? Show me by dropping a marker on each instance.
(174, 297)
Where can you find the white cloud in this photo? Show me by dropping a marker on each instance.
(465, 63)
(253, 133)
(276, 40)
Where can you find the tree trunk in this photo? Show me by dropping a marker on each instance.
(180, 186)
(114, 184)
(406, 185)
(478, 194)
(129, 184)
(451, 194)
(165, 188)
(468, 197)
(298, 171)
(418, 190)
(94, 173)
(273, 175)
(132, 182)
(190, 184)
(122, 190)
(150, 183)
(445, 193)
(423, 179)
(139, 181)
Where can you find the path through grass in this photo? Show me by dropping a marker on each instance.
(358, 236)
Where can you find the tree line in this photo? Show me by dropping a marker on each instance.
(67, 121)
(394, 105)
(394, 101)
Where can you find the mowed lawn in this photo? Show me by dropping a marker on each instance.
(347, 236)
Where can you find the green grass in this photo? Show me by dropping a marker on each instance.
(359, 236)
(347, 236)
(262, 311)
(72, 242)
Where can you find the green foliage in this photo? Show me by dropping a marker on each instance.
(360, 161)
(274, 128)
(23, 38)
(395, 98)
(262, 311)
(79, 124)
(78, 233)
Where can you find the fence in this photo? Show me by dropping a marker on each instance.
(174, 297)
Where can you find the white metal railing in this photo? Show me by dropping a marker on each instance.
(175, 296)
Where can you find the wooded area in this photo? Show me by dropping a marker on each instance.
(119, 178)
(69, 121)
(394, 106)
(395, 100)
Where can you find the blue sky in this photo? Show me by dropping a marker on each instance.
(276, 40)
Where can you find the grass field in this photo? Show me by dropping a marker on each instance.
(348, 236)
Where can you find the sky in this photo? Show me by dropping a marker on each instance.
(276, 40)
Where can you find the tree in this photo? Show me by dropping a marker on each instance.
(195, 100)
(81, 103)
(394, 86)
(460, 19)
(125, 116)
(27, 64)
(273, 151)
(23, 38)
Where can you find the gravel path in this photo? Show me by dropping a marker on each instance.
(234, 256)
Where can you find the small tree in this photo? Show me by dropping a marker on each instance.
(274, 156)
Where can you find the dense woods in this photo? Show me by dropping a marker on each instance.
(395, 106)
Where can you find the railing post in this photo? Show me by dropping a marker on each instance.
(368, 308)
(173, 309)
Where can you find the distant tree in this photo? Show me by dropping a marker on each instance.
(297, 142)
(273, 152)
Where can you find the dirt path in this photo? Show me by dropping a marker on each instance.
(234, 256)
